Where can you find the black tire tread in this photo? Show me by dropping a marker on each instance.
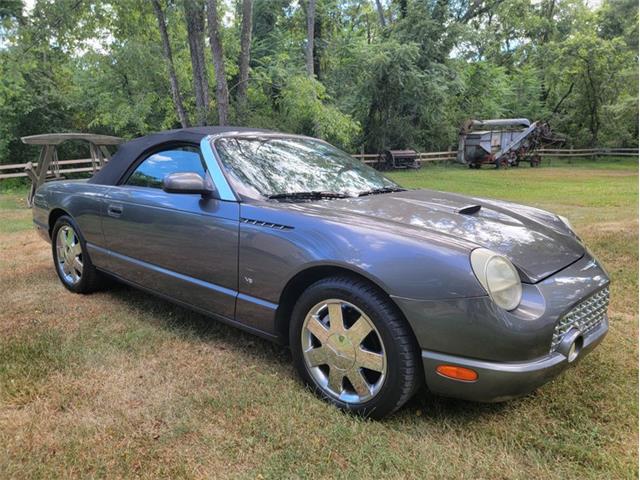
(405, 340)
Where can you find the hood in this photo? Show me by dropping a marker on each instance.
(537, 242)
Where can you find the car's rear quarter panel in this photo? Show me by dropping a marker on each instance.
(83, 201)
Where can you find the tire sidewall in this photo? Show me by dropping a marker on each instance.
(81, 286)
(386, 399)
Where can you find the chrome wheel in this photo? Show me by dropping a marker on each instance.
(343, 351)
(69, 255)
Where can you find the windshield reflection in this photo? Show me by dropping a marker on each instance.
(276, 165)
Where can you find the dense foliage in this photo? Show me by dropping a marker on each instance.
(397, 73)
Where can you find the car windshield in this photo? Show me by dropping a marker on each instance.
(275, 166)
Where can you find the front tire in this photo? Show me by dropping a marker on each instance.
(71, 260)
(352, 346)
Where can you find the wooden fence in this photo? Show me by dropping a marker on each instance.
(20, 167)
(588, 152)
(449, 155)
(83, 165)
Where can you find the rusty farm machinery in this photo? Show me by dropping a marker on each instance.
(503, 142)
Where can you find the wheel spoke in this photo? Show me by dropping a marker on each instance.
(358, 381)
(316, 356)
(77, 265)
(335, 380)
(359, 331)
(317, 329)
(68, 235)
(76, 249)
(335, 317)
(66, 268)
(371, 360)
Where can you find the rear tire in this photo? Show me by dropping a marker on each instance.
(71, 259)
(352, 346)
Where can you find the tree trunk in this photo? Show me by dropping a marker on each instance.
(311, 14)
(222, 90)
(549, 12)
(194, 17)
(557, 107)
(383, 22)
(403, 8)
(245, 56)
(168, 56)
(317, 45)
(594, 108)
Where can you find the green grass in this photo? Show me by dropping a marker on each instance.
(121, 384)
(12, 206)
(550, 187)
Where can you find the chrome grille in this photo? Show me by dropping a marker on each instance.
(585, 316)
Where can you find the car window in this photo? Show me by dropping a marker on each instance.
(153, 169)
(274, 165)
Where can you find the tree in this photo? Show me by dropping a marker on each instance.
(600, 78)
(245, 55)
(307, 110)
(383, 73)
(173, 79)
(383, 22)
(217, 51)
(311, 22)
(194, 18)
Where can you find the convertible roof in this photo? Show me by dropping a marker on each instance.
(129, 152)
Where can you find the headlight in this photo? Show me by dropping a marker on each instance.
(498, 276)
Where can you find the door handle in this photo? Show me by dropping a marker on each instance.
(114, 210)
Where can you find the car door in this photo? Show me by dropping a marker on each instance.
(184, 246)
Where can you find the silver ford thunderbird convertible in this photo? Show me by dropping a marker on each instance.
(378, 290)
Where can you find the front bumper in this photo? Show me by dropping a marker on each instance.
(513, 352)
(474, 327)
(499, 381)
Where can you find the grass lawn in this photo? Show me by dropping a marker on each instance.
(121, 384)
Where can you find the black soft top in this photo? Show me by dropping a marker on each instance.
(129, 152)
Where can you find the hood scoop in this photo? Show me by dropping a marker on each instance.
(469, 209)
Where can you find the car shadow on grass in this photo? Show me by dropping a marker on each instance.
(438, 408)
(191, 325)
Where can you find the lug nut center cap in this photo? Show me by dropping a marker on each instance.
(342, 351)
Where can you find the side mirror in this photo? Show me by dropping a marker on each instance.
(187, 182)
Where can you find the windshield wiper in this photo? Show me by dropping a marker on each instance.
(376, 191)
(311, 195)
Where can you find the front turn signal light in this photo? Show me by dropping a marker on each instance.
(457, 373)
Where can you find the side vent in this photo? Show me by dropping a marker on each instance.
(260, 223)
